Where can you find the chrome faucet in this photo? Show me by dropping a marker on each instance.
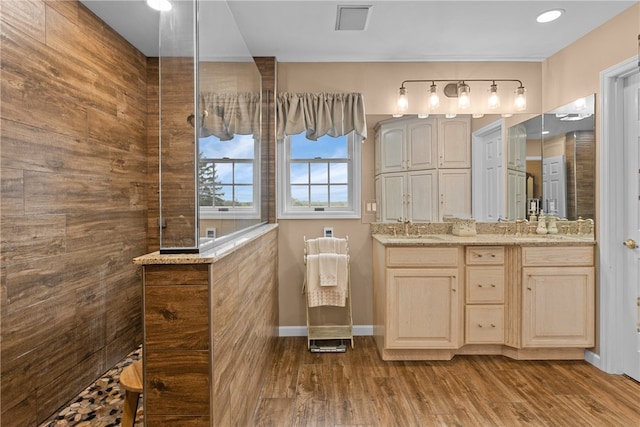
(405, 222)
(519, 223)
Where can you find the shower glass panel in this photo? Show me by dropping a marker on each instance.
(210, 110)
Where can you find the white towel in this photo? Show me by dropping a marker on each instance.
(326, 245)
(317, 294)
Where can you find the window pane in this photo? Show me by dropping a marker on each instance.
(319, 173)
(299, 195)
(326, 147)
(224, 172)
(339, 195)
(299, 173)
(240, 147)
(224, 195)
(319, 195)
(244, 173)
(339, 173)
(244, 196)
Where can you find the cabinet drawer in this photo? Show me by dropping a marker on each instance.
(485, 284)
(485, 255)
(485, 324)
(422, 257)
(557, 256)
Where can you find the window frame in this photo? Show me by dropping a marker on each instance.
(353, 161)
(210, 212)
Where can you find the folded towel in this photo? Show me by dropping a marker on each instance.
(319, 294)
(326, 245)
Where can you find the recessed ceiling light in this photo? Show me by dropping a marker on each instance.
(161, 5)
(549, 15)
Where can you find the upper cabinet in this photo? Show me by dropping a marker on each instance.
(454, 142)
(423, 169)
(406, 146)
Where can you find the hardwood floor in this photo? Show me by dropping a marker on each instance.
(358, 388)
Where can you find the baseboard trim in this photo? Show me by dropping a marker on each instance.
(593, 358)
(301, 331)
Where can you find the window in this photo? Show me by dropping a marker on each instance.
(228, 177)
(319, 178)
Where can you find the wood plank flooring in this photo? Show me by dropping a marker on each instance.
(358, 388)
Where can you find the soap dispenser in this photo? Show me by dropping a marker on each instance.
(542, 224)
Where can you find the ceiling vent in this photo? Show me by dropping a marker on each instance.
(352, 18)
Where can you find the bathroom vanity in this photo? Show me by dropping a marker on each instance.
(525, 297)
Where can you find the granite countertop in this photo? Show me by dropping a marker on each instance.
(484, 239)
(206, 257)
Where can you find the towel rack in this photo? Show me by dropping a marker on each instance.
(327, 322)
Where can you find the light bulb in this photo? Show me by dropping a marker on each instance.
(494, 99)
(434, 99)
(464, 101)
(403, 102)
(520, 102)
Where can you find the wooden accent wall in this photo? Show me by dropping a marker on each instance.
(268, 69)
(74, 203)
(210, 332)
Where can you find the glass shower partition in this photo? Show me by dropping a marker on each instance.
(210, 110)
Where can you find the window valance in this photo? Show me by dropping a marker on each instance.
(318, 114)
(227, 114)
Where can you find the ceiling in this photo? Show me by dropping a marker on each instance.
(304, 30)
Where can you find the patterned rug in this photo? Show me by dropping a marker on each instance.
(99, 405)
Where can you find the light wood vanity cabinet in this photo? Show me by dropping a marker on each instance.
(558, 297)
(433, 302)
(484, 309)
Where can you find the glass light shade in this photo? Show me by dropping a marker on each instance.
(520, 103)
(434, 99)
(403, 102)
(494, 98)
(464, 100)
(161, 5)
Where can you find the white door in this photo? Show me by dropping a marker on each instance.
(554, 186)
(631, 271)
(488, 174)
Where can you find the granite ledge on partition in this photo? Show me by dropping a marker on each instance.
(208, 257)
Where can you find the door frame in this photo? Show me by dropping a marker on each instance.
(477, 166)
(610, 219)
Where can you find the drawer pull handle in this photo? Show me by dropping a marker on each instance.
(490, 325)
(453, 289)
(528, 289)
(491, 285)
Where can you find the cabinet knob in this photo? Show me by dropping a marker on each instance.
(528, 289)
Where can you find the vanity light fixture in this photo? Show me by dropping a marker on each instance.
(494, 98)
(461, 90)
(549, 15)
(161, 5)
(464, 95)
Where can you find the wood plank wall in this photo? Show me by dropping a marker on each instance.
(74, 203)
(210, 336)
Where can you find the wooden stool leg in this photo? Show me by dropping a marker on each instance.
(130, 408)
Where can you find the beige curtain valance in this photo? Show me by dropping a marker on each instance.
(319, 114)
(228, 114)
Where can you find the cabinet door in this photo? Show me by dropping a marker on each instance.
(517, 148)
(517, 185)
(423, 308)
(454, 143)
(421, 144)
(454, 186)
(392, 149)
(422, 196)
(558, 307)
(392, 196)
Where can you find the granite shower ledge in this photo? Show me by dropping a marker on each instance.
(208, 257)
(484, 239)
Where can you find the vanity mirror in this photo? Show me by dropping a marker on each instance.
(558, 174)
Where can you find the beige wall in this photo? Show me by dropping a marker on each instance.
(571, 73)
